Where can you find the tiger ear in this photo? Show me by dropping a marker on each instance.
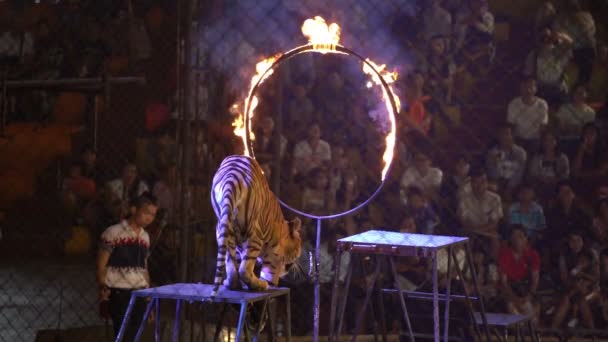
(295, 225)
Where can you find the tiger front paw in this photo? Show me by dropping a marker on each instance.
(260, 285)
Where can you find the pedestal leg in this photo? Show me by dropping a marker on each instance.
(435, 299)
(125, 320)
(406, 316)
(316, 309)
(157, 320)
(178, 309)
(446, 323)
(382, 315)
(370, 289)
(334, 295)
(467, 296)
(239, 328)
(342, 309)
(258, 329)
(140, 330)
(288, 315)
(474, 275)
(220, 322)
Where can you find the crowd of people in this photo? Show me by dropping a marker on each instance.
(534, 204)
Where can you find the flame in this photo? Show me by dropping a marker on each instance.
(323, 37)
(389, 78)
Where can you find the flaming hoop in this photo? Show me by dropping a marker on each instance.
(322, 38)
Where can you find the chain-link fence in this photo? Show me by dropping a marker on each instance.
(103, 101)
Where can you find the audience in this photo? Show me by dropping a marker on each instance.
(506, 162)
(528, 114)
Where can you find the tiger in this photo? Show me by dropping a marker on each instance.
(250, 226)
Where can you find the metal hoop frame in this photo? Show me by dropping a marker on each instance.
(339, 49)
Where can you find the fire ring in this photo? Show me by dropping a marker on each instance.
(390, 99)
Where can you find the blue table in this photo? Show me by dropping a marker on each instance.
(202, 293)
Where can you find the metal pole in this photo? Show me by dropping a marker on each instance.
(315, 336)
(3, 100)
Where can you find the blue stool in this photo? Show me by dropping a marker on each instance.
(202, 293)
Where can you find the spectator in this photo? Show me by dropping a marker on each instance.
(579, 274)
(123, 190)
(566, 214)
(417, 116)
(265, 143)
(506, 161)
(579, 25)
(160, 153)
(312, 152)
(425, 218)
(411, 271)
(317, 198)
(528, 213)
(599, 227)
(452, 189)
(588, 161)
(440, 70)
(475, 30)
(548, 167)
(545, 16)
(88, 158)
(598, 84)
(547, 64)
(479, 213)
(572, 117)
(519, 266)
(528, 114)
(167, 191)
(436, 22)
(300, 106)
(423, 176)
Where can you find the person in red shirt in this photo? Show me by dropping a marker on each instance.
(519, 266)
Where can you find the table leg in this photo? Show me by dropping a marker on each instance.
(178, 309)
(382, 315)
(406, 316)
(288, 315)
(140, 330)
(467, 296)
(239, 328)
(533, 334)
(370, 289)
(435, 298)
(448, 299)
(476, 283)
(342, 309)
(220, 322)
(334, 296)
(125, 320)
(258, 329)
(157, 320)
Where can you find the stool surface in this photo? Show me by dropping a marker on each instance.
(200, 292)
(395, 239)
(501, 319)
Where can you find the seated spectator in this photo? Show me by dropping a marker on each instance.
(528, 213)
(423, 176)
(571, 117)
(167, 192)
(545, 16)
(340, 163)
(300, 106)
(566, 214)
(88, 159)
(439, 70)
(588, 161)
(317, 199)
(160, 153)
(417, 116)
(475, 30)
(77, 186)
(411, 271)
(579, 25)
(264, 145)
(528, 114)
(519, 266)
(436, 22)
(547, 63)
(479, 213)
(599, 227)
(506, 162)
(579, 274)
(121, 191)
(312, 152)
(601, 118)
(548, 167)
(598, 84)
(424, 216)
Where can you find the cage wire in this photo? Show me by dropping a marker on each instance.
(142, 91)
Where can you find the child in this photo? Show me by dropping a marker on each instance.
(423, 214)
